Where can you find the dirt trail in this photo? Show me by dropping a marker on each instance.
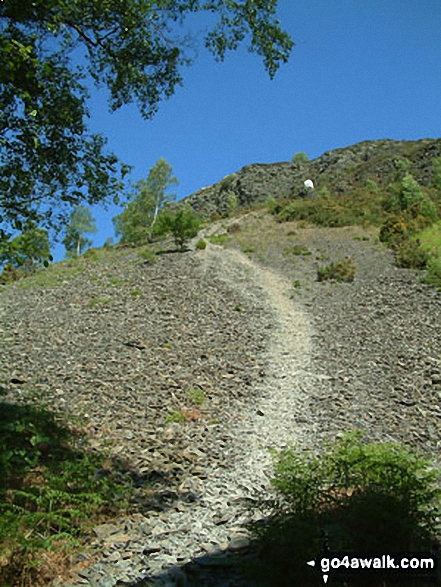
(281, 415)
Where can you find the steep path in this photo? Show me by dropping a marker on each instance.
(276, 415)
(280, 415)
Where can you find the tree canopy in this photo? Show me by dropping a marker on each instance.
(30, 249)
(136, 222)
(81, 222)
(136, 48)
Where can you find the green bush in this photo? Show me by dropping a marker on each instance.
(362, 497)
(273, 206)
(337, 271)
(300, 157)
(408, 253)
(409, 197)
(397, 233)
(183, 224)
(201, 245)
(433, 275)
(393, 229)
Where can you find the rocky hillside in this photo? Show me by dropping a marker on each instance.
(190, 369)
(340, 170)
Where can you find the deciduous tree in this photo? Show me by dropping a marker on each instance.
(81, 223)
(50, 48)
(30, 249)
(137, 221)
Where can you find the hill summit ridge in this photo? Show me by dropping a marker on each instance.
(340, 170)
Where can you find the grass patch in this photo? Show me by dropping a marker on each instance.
(341, 271)
(197, 396)
(297, 250)
(433, 274)
(51, 489)
(176, 416)
(116, 282)
(147, 254)
(430, 242)
(98, 302)
(357, 496)
(136, 292)
(53, 276)
(219, 239)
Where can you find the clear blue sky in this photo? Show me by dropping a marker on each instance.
(359, 70)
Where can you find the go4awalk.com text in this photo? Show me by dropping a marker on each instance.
(399, 565)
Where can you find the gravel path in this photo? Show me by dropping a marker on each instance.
(275, 365)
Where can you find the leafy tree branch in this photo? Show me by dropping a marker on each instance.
(136, 48)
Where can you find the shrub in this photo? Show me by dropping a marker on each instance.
(11, 274)
(433, 276)
(298, 250)
(333, 210)
(427, 209)
(234, 228)
(337, 271)
(372, 186)
(408, 253)
(322, 211)
(183, 224)
(393, 229)
(300, 158)
(430, 239)
(360, 496)
(325, 193)
(226, 183)
(201, 245)
(409, 197)
(273, 206)
(232, 203)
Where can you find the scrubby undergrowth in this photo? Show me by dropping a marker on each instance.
(52, 488)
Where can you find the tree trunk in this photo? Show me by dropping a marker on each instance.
(155, 215)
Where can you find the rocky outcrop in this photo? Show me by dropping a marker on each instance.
(341, 171)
